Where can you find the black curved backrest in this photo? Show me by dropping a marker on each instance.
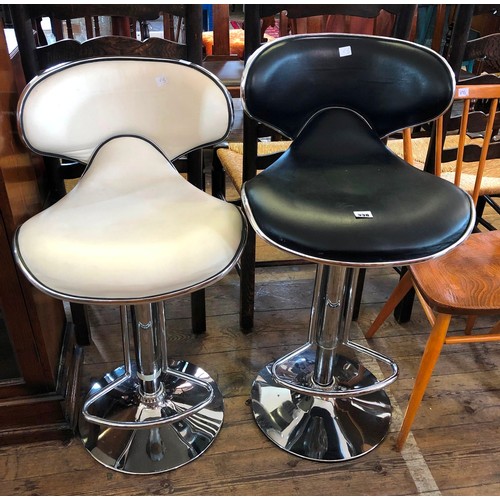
(392, 83)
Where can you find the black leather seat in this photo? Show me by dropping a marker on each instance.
(339, 197)
(336, 168)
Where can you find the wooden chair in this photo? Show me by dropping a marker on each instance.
(36, 57)
(472, 271)
(453, 51)
(479, 173)
(246, 165)
(485, 52)
(468, 158)
(464, 281)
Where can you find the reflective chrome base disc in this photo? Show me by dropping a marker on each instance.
(162, 448)
(322, 429)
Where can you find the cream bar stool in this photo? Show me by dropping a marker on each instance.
(133, 232)
(340, 198)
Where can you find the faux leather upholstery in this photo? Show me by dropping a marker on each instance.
(392, 83)
(132, 228)
(308, 201)
(69, 113)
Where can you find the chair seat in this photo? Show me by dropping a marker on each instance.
(337, 166)
(232, 158)
(490, 182)
(145, 234)
(467, 291)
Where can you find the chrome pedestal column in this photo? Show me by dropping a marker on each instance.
(320, 402)
(150, 416)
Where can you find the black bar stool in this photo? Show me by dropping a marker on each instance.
(339, 197)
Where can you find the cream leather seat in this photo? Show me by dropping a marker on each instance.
(160, 234)
(133, 232)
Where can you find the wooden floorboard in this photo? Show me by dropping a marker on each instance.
(456, 439)
(454, 447)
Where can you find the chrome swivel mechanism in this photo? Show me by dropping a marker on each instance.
(320, 402)
(150, 415)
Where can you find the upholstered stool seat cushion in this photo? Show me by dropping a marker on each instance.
(306, 202)
(132, 228)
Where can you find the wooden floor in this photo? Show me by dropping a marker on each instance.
(454, 448)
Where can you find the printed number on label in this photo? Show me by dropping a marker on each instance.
(363, 215)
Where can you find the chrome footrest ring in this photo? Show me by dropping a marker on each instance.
(189, 425)
(150, 422)
(321, 427)
(341, 388)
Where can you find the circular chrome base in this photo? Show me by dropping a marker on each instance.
(323, 429)
(162, 448)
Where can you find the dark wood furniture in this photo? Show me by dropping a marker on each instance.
(36, 396)
(253, 14)
(36, 57)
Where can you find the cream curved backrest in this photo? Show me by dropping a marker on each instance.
(175, 104)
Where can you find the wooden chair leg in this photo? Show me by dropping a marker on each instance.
(247, 283)
(218, 177)
(80, 322)
(403, 310)
(198, 313)
(429, 359)
(404, 286)
(469, 325)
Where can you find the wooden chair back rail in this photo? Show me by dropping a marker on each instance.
(298, 14)
(123, 18)
(76, 10)
(438, 30)
(171, 28)
(486, 51)
(67, 49)
(467, 93)
(92, 28)
(295, 11)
